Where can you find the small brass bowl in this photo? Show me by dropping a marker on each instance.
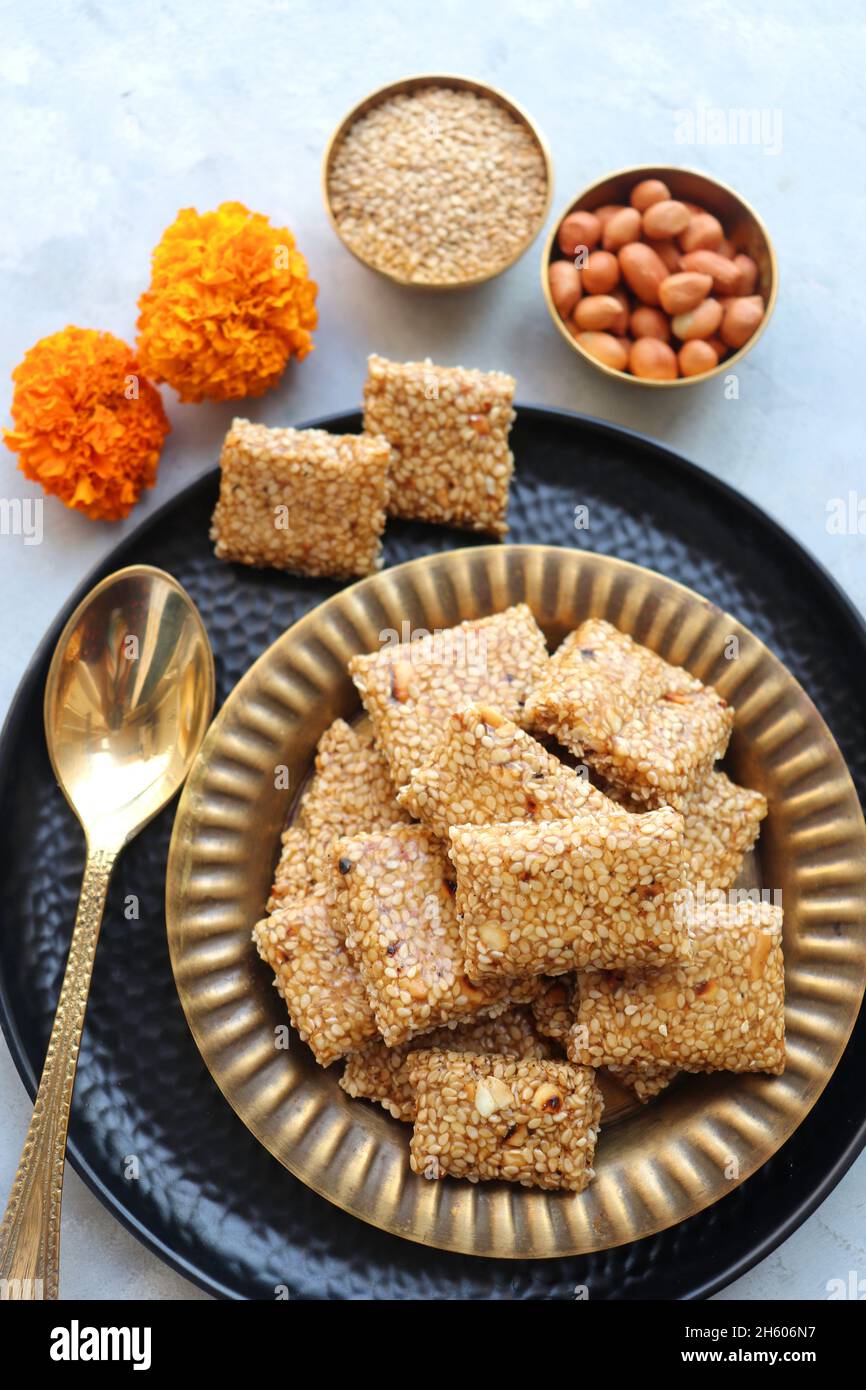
(742, 225)
(415, 84)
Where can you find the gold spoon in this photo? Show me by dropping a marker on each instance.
(129, 696)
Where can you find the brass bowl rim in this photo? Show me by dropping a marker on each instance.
(175, 887)
(416, 82)
(639, 171)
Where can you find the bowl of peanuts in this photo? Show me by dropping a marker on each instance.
(660, 276)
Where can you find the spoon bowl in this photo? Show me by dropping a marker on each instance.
(128, 698)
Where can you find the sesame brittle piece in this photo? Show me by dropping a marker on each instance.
(410, 689)
(487, 769)
(647, 727)
(723, 1010)
(597, 891)
(401, 928)
(486, 1117)
(380, 1073)
(316, 977)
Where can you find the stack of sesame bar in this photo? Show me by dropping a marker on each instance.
(434, 448)
(477, 926)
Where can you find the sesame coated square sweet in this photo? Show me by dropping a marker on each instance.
(397, 894)
(292, 876)
(316, 977)
(488, 769)
(448, 428)
(722, 823)
(381, 1073)
(487, 1117)
(722, 1010)
(598, 891)
(350, 792)
(553, 1007)
(645, 1082)
(410, 689)
(301, 500)
(649, 728)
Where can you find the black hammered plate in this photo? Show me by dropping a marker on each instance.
(208, 1197)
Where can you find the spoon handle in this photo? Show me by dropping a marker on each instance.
(30, 1233)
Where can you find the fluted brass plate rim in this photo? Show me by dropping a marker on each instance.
(654, 1168)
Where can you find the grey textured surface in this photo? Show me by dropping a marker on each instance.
(112, 123)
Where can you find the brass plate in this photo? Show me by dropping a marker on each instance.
(655, 1166)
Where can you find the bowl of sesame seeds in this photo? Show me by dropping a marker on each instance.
(440, 182)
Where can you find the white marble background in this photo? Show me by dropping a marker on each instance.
(114, 116)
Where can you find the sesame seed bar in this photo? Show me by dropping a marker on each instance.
(401, 928)
(316, 978)
(722, 823)
(553, 1007)
(647, 727)
(723, 1010)
(487, 769)
(645, 1082)
(410, 689)
(351, 793)
(380, 1073)
(292, 877)
(599, 890)
(448, 428)
(301, 500)
(488, 1117)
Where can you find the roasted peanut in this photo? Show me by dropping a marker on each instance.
(697, 356)
(565, 286)
(606, 348)
(548, 1098)
(665, 219)
(601, 273)
(701, 322)
(647, 192)
(606, 212)
(725, 273)
(596, 311)
(653, 360)
(748, 274)
(760, 955)
(703, 233)
(741, 318)
(620, 324)
(578, 229)
(682, 292)
(642, 270)
(493, 936)
(650, 323)
(622, 228)
(492, 1094)
(670, 253)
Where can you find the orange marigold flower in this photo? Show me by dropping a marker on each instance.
(88, 427)
(229, 303)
